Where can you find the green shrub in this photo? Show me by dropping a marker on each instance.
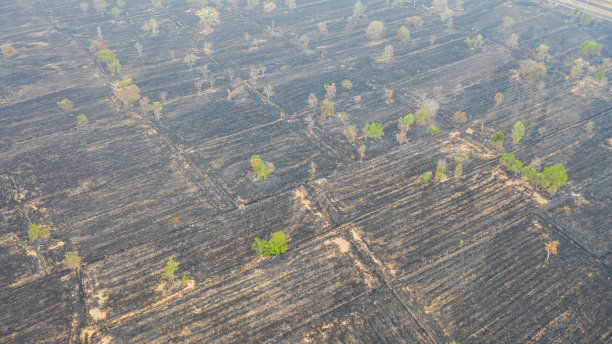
(433, 130)
(508, 22)
(259, 169)
(347, 84)
(275, 246)
(184, 281)
(374, 130)
(115, 11)
(168, 273)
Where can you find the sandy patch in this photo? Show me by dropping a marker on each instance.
(342, 244)
(97, 314)
(469, 131)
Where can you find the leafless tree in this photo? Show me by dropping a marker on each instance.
(267, 90)
(138, 47)
(189, 60)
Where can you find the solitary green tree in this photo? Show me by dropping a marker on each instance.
(517, 132)
(72, 260)
(82, 120)
(374, 130)
(168, 273)
(587, 18)
(425, 178)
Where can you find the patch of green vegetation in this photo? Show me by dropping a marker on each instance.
(259, 169)
(374, 130)
(589, 48)
(275, 246)
(347, 84)
(72, 260)
(38, 232)
(169, 270)
(425, 178)
(517, 132)
(510, 162)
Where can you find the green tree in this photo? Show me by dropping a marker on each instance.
(72, 260)
(259, 169)
(439, 173)
(403, 34)
(347, 84)
(508, 22)
(600, 74)
(358, 10)
(498, 140)
(275, 246)
(375, 29)
(105, 56)
(82, 120)
(115, 11)
(542, 52)
(433, 130)
(387, 53)
(374, 130)
(425, 178)
(327, 109)
(269, 7)
(8, 50)
(458, 171)
(587, 18)
(517, 132)
(404, 123)
(475, 43)
(589, 48)
(169, 270)
(322, 27)
(422, 116)
(157, 108)
(556, 177)
(38, 232)
(208, 17)
(66, 105)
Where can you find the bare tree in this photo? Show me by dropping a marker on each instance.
(312, 101)
(231, 74)
(99, 31)
(84, 7)
(512, 41)
(267, 90)
(207, 48)
(189, 60)
(145, 105)
(138, 47)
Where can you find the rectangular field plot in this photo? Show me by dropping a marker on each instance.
(580, 206)
(375, 317)
(383, 179)
(288, 150)
(113, 187)
(259, 305)
(208, 253)
(196, 120)
(501, 289)
(439, 221)
(45, 311)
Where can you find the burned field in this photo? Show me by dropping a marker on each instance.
(419, 235)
